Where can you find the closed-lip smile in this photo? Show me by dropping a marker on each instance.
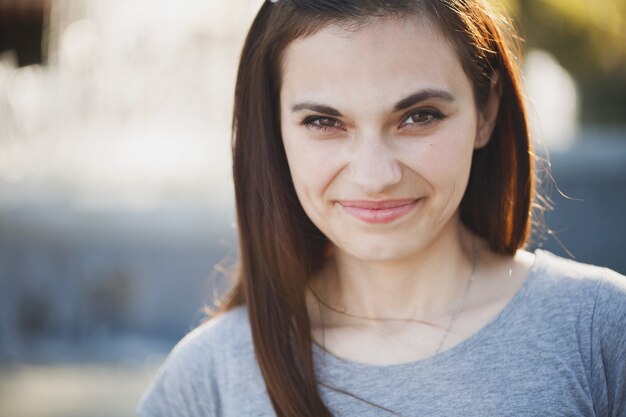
(381, 211)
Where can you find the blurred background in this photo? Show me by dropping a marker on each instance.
(116, 204)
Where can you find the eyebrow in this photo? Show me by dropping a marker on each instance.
(320, 108)
(409, 101)
(423, 96)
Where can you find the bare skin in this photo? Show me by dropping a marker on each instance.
(352, 134)
(385, 342)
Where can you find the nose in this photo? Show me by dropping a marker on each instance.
(374, 167)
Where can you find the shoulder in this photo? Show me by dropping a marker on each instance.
(597, 297)
(570, 294)
(228, 332)
(198, 371)
(576, 277)
(595, 292)
(212, 347)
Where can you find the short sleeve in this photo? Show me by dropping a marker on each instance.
(185, 385)
(608, 345)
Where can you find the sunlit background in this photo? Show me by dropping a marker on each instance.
(116, 201)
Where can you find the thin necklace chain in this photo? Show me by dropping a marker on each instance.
(456, 314)
(463, 299)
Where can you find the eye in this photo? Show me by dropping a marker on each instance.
(322, 123)
(422, 118)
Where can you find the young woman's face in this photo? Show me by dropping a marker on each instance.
(379, 127)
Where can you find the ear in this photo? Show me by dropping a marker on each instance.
(489, 113)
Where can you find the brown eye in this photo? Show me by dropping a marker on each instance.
(325, 122)
(321, 123)
(422, 118)
(419, 118)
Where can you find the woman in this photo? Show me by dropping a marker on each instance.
(383, 183)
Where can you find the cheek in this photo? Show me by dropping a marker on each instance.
(446, 157)
(312, 164)
(450, 160)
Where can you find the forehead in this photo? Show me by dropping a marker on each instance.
(383, 56)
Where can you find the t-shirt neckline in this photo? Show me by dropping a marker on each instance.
(325, 357)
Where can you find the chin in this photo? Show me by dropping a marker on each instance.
(377, 252)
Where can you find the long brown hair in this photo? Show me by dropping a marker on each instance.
(279, 247)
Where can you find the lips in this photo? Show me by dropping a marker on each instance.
(383, 211)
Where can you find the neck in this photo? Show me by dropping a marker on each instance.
(426, 286)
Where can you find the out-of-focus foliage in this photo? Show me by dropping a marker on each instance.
(589, 40)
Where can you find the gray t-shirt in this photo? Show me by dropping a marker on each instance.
(557, 349)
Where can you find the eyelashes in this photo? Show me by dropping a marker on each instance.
(322, 123)
(423, 117)
(415, 119)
